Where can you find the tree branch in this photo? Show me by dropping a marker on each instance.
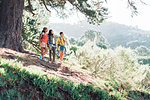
(45, 5)
(30, 7)
(129, 2)
(144, 2)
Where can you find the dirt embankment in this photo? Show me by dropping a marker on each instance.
(32, 60)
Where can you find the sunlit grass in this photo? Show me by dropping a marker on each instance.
(16, 74)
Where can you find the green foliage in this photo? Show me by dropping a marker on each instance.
(143, 55)
(137, 94)
(142, 51)
(15, 76)
(101, 45)
(74, 48)
(12, 94)
(144, 60)
(31, 33)
(93, 10)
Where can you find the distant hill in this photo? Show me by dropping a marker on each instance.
(116, 34)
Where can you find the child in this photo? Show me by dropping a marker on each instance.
(52, 45)
(43, 42)
(60, 43)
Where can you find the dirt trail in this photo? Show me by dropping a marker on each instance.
(32, 60)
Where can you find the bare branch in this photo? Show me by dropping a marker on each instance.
(45, 5)
(144, 2)
(30, 7)
(129, 2)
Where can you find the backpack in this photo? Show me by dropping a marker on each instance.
(42, 36)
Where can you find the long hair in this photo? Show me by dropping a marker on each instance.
(50, 33)
(44, 29)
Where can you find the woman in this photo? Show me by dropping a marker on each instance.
(60, 43)
(43, 42)
(52, 45)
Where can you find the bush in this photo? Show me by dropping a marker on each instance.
(142, 51)
(144, 60)
(74, 49)
(118, 64)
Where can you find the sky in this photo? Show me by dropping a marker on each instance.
(119, 12)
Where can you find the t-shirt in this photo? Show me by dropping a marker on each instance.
(60, 41)
(53, 40)
(44, 37)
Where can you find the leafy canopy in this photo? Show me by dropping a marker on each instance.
(94, 10)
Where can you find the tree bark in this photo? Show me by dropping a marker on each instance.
(11, 24)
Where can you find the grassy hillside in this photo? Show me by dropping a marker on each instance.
(23, 84)
(27, 78)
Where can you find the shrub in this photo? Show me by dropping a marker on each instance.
(118, 64)
(142, 51)
(74, 49)
(144, 60)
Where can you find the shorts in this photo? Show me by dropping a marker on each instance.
(43, 44)
(62, 47)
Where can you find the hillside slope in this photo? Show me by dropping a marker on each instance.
(31, 60)
(39, 80)
(24, 77)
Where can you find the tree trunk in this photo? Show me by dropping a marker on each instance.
(11, 24)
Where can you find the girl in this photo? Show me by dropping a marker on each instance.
(43, 42)
(60, 43)
(52, 45)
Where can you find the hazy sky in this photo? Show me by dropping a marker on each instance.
(119, 13)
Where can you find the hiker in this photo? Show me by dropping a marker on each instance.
(51, 45)
(43, 42)
(60, 43)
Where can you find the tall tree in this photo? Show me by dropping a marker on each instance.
(11, 16)
(10, 24)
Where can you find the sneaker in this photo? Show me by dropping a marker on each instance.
(41, 57)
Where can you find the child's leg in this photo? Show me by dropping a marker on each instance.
(53, 48)
(63, 54)
(60, 55)
(50, 52)
(50, 58)
(46, 50)
(42, 52)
